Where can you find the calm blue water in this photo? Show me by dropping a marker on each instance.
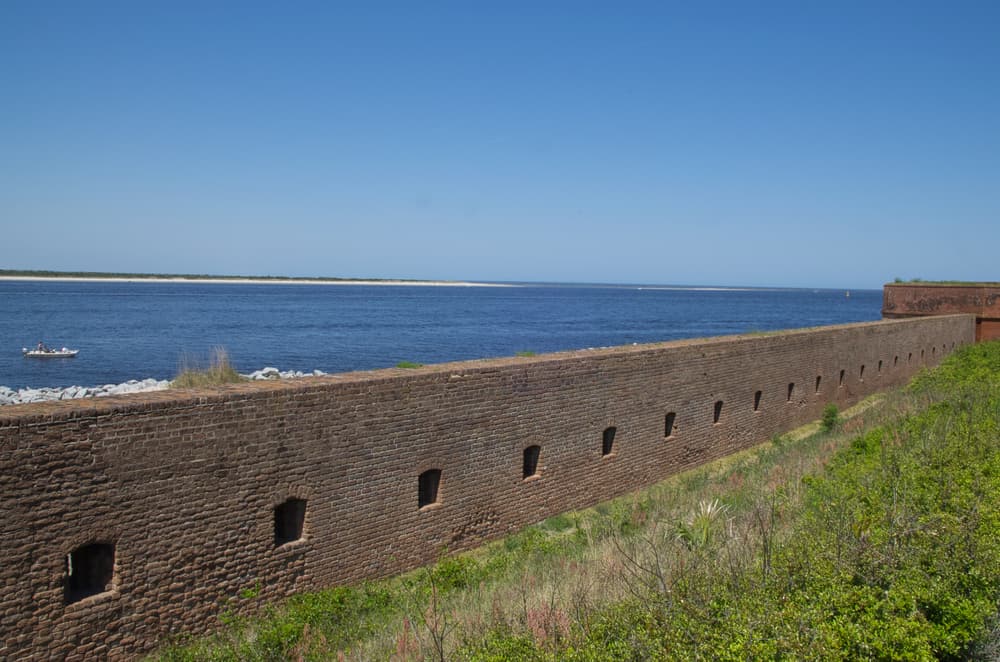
(136, 330)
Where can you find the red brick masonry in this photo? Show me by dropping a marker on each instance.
(901, 300)
(183, 485)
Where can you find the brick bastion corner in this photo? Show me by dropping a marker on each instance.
(132, 519)
(902, 300)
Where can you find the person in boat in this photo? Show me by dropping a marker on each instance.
(41, 347)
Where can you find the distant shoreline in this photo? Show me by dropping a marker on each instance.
(112, 277)
(251, 281)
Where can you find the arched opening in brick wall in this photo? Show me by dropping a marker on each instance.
(668, 424)
(608, 441)
(756, 400)
(529, 464)
(717, 414)
(428, 487)
(289, 521)
(791, 390)
(89, 571)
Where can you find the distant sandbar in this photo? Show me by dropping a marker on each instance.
(256, 281)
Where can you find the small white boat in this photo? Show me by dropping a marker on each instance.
(47, 353)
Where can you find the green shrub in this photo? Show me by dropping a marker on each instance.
(409, 365)
(503, 645)
(831, 417)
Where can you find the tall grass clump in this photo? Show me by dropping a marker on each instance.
(876, 539)
(219, 371)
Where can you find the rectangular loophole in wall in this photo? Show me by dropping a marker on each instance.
(90, 570)
(427, 487)
(791, 390)
(608, 441)
(880, 366)
(668, 424)
(756, 400)
(289, 521)
(718, 412)
(819, 380)
(841, 382)
(529, 463)
(861, 373)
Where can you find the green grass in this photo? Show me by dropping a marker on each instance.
(409, 365)
(877, 539)
(219, 371)
(525, 352)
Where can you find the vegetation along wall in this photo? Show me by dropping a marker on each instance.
(126, 520)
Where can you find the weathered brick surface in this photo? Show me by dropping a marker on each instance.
(184, 483)
(900, 300)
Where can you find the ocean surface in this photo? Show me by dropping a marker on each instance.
(134, 330)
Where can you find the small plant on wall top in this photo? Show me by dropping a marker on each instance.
(408, 364)
(219, 371)
(525, 352)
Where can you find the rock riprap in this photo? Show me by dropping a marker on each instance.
(274, 373)
(9, 396)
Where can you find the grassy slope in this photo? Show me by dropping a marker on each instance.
(879, 540)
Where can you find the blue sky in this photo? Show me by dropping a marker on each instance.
(806, 144)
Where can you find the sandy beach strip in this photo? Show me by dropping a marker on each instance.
(258, 281)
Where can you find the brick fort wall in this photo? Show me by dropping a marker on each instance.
(901, 300)
(126, 520)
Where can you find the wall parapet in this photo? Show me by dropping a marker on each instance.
(131, 519)
(902, 300)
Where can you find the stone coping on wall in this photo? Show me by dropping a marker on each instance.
(50, 411)
(944, 283)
